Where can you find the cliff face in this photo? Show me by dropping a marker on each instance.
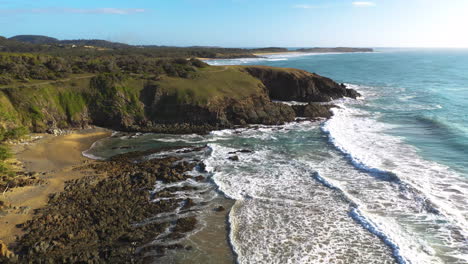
(298, 85)
(216, 98)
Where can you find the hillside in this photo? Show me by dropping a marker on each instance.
(45, 93)
(85, 47)
(35, 39)
(213, 98)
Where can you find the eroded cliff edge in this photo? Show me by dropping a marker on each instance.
(214, 98)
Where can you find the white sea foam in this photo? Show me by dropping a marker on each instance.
(379, 205)
(301, 202)
(291, 102)
(283, 215)
(268, 57)
(384, 199)
(88, 153)
(410, 190)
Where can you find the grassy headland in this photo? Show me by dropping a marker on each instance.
(56, 86)
(47, 85)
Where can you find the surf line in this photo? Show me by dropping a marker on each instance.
(365, 222)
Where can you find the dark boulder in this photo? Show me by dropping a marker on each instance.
(219, 209)
(313, 110)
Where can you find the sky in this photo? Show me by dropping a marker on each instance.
(244, 23)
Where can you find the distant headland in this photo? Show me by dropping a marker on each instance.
(39, 43)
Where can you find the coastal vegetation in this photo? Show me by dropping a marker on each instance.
(52, 46)
(18, 68)
(181, 98)
(47, 85)
(41, 92)
(51, 86)
(7, 172)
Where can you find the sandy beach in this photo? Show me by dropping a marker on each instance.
(54, 158)
(276, 53)
(259, 54)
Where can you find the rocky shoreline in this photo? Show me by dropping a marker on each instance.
(109, 215)
(129, 209)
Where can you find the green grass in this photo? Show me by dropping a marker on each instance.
(70, 81)
(211, 85)
(65, 101)
(131, 89)
(4, 155)
(72, 103)
(7, 111)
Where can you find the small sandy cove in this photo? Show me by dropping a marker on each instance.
(57, 156)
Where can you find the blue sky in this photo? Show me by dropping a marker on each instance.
(244, 23)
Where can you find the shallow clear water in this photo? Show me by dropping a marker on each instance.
(383, 181)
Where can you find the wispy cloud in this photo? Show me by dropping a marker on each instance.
(109, 10)
(363, 4)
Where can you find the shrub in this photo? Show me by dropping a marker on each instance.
(180, 61)
(3, 169)
(16, 133)
(198, 63)
(4, 80)
(4, 153)
(170, 70)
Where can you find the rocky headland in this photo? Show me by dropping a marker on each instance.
(214, 98)
(107, 212)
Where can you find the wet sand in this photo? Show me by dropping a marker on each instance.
(57, 156)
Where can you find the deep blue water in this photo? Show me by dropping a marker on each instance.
(407, 139)
(422, 91)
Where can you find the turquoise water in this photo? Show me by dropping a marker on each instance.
(383, 181)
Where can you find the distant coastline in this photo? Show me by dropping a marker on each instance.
(289, 52)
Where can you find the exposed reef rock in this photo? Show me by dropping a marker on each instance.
(113, 218)
(313, 111)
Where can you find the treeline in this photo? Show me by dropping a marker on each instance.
(44, 40)
(52, 46)
(24, 67)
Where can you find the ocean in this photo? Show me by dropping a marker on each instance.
(385, 180)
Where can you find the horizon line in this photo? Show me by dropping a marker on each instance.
(252, 47)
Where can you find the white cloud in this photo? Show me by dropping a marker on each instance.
(363, 4)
